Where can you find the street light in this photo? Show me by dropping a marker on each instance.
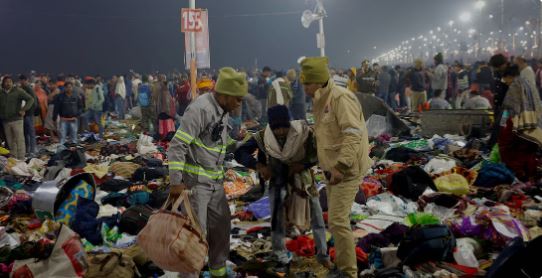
(480, 4)
(451, 22)
(318, 14)
(465, 17)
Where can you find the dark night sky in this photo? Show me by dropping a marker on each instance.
(113, 36)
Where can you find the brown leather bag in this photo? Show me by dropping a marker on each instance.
(174, 241)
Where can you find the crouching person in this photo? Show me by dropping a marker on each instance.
(286, 154)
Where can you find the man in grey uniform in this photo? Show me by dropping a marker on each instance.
(196, 157)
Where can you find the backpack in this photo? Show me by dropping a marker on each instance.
(134, 219)
(426, 243)
(144, 95)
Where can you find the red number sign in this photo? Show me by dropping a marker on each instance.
(191, 20)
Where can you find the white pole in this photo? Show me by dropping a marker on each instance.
(323, 48)
(193, 34)
(322, 36)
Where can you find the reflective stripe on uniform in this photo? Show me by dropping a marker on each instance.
(196, 170)
(185, 137)
(218, 272)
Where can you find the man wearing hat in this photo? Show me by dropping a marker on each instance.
(343, 153)
(367, 78)
(196, 157)
(286, 154)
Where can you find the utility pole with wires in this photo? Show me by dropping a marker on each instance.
(318, 14)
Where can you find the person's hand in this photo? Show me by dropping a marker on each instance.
(242, 133)
(21, 113)
(176, 190)
(296, 168)
(264, 171)
(336, 177)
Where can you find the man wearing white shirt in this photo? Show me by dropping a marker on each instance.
(526, 72)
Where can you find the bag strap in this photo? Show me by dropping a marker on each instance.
(183, 199)
(188, 207)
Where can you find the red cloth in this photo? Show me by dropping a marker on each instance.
(165, 127)
(517, 153)
(302, 246)
(489, 96)
(360, 255)
(371, 186)
(254, 230)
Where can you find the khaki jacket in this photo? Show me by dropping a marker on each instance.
(341, 134)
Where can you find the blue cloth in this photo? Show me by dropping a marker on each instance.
(299, 102)
(85, 222)
(261, 209)
(139, 198)
(68, 128)
(493, 174)
(119, 107)
(128, 84)
(96, 117)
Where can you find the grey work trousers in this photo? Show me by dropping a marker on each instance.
(211, 209)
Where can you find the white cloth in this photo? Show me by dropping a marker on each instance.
(120, 88)
(294, 148)
(439, 79)
(278, 91)
(145, 145)
(438, 165)
(529, 75)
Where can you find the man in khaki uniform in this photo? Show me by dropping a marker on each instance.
(343, 152)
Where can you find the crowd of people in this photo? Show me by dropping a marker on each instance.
(276, 101)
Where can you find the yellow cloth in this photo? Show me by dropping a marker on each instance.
(99, 170)
(352, 82)
(452, 183)
(206, 84)
(4, 151)
(124, 169)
